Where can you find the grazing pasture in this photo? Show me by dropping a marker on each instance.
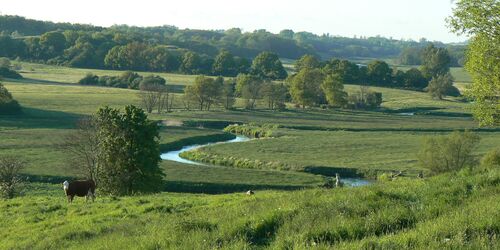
(205, 207)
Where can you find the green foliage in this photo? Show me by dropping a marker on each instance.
(89, 79)
(442, 85)
(435, 61)
(307, 62)
(333, 88)
(8, 105)
(479, 19)
(410, 56)
(228, 94)
(206, 91)
(491, 159)
(249, 88)
(364, 99)
(268, 66)
(348, 71)
(127, 79)
(128, 155)
(251, 130)
(449, 153)
(275, 95)
(379, 73)
(224, 64)
(8, 73)
(10, 179)
(305, 87)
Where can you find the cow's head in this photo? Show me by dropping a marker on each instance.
(65, 185)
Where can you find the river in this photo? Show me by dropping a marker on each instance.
(175, 156)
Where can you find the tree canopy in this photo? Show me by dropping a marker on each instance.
(481, 21)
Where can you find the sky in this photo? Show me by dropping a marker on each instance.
(399, 19)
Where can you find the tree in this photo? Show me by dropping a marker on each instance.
(10, 179)
(224, 64)
(449, 153)
(267, 65)
(307, 61)
(5, 62)
(81, 148)
(191, 63)
(89, 79)
(379, 73)
(8, 105)
(333, 88)
(414, 79)
(53, 43)
(491, 159)
(410, 56)
(228, 93)
(128, 152)
(248, 87)
(305, 87)
(441, 85)
(275, 94)
(348, 71)
(435, 61)
(480, 20)
(205, 91)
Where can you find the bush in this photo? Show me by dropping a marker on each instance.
(491, 159)
(449, 153)
(8, 73)
(89, 79)
(8, 105)
(9, 176)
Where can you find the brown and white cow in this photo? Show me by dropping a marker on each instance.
(79, 188)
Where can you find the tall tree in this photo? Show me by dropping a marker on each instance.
(379, 73)
(333, 88)
(305, 87)
(228, 94)
(307, 61)
(128, 154)
(480, 20)
(191, 63)
(224, 64)
(268, 66)
(435, 61)
(249, 87)
(53, 42)
(205, 91)
(274, 94)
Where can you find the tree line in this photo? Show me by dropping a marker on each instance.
(88, 46)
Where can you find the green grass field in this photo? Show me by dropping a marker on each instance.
(204, 207)
(444, 212)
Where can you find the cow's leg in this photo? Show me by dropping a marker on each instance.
(68, 197)
(93, 196)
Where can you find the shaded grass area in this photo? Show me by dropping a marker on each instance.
(445, 212)
(215, 180)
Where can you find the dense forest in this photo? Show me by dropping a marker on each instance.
(169, 49)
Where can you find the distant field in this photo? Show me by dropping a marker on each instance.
(59, 74)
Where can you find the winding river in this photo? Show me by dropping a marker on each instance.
(175, 156)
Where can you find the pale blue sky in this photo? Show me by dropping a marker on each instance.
(390, 18)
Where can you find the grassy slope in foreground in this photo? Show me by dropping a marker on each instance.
(449, 211)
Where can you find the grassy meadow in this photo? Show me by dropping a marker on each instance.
(204, 207)
(451, 211)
